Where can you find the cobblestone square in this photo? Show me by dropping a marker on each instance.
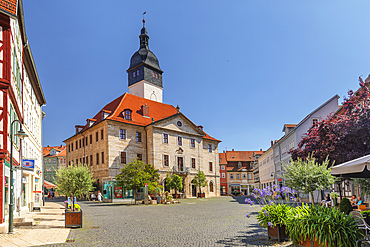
(216, 221)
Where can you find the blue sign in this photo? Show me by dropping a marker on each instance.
(28, 164)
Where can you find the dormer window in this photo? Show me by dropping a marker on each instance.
(127, 114)
(133, 74)
(155, 75)
(137, 72)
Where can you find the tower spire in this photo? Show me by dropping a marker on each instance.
(144, 38)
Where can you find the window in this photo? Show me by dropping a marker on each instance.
(87, 159)
(193, 163)
(76, 145)
(83, 159)
(223, 175)
(315, 121)
(138, 136)
(69, 147)
(83, 142)
(222, 167)
(122, 134)
(102, 134)
(133, 74)
(137, 72)
(179, 140)
(139, 156)
(165, 138)
(237, 176)
(123, 157)
(80, 160)
(86, 140)
(97, 158)
(244, 176)
(210, 166)
(192, 143)
(231, 176)
(80, 143)
(76, 161)
(91, 160)
(102, 157)
(165, 160)
(54, 161)
(240, 165)
(211, 186)
(45, 161)
(90, 139)
(128, 114)
(155, 75)
(210, 148)
(249, 176)
(96, 136)
(49, 161)
(283, 150)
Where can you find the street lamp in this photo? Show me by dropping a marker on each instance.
(21, 134)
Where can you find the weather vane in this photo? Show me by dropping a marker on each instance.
(144, 18)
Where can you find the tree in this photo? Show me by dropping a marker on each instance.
(308, 175)
(136, 174)
(175, 183)
(364, 185)
(74, 181)
(200, 180)
(344, 135)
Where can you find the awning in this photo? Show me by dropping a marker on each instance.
(49, 185)
(357, 168)
(234, 184)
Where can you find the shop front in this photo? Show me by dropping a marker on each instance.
(246, 189)
(114, 193)
(235, 189)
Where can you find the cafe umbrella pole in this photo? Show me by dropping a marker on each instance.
(21, 134)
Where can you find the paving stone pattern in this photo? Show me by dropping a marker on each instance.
(217, 221)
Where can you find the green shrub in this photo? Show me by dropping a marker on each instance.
(326, 225)
(345, 206)
(364, 213)
(271, 215)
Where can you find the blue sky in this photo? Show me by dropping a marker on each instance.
(241, 69)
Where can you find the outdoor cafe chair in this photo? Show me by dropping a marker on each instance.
(361, 223)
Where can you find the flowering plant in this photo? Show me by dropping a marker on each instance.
(273, 210)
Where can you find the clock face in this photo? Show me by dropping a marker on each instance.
(179, 123)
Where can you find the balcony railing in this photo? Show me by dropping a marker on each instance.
(181, 169)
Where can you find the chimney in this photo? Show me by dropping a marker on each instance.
(145, 110)
(232, 149)
(260, 149)
(224, 151)
(272, 143)
(200, 127)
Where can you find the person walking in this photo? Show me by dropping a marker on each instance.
(93, 197)
(99, 196)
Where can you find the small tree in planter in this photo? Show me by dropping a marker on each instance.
(334, 196)
(308, 175)
(74, 181)
(345, 206)
(175, 183)
(200, 181)
(136, 174)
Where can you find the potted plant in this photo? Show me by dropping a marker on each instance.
(274, 218)
(345, 206)
(313, 225)
(334, 196)
(200, 181)
(74, 181)
(169, 198)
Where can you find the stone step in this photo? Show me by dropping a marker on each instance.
(18, 219)
(24, 223)
(50, 213)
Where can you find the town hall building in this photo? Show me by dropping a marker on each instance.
(139, 125)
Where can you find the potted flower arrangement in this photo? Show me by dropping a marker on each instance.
(334, 196)
(273, 213)
(314, 225)
(74, 181)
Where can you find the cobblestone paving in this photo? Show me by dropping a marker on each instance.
(194, 222)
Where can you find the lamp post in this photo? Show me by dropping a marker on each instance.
(21, 134)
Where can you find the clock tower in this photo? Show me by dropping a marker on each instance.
(144, 74)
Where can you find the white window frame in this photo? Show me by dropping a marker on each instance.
(232, 176)
(238, 176)
(167, 138)
(239, 165)
(222, 175)
(222, 167)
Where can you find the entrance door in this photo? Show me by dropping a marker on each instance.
(180, 164)
(193, 191)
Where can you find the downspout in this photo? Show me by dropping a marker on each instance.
(146, 145)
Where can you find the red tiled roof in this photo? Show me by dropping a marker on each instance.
(63, 153)
(46, 150)
(290, 125)
(9, 6)
(259, 152)
(239, 155)
(222, 157)
(157, 111)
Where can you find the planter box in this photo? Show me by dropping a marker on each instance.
(309, 243)
(73, 218)
(277, 232)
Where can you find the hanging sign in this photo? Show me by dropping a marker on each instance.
(28, 164)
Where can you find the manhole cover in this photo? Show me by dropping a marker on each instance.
(94, 227)
(70, 240)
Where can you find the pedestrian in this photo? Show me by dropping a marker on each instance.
(49, 195)
(99, 196)
(52, 195)
(93, 197)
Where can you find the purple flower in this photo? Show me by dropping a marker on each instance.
(248, 215)
(265, 213)
(270, 224)
(249, 201)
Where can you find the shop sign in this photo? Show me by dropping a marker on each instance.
(244, 186)
(30, 164)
